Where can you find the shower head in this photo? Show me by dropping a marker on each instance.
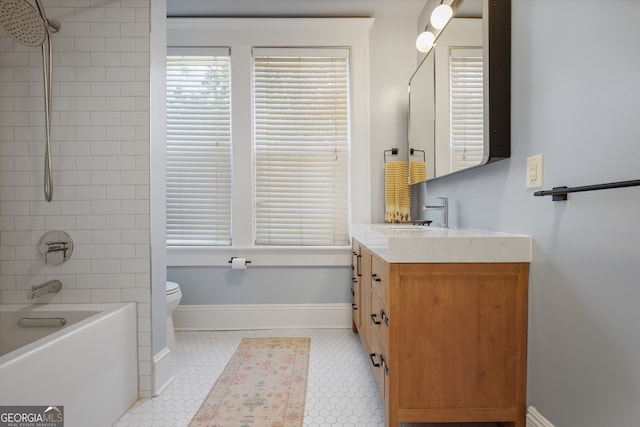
(25, 23)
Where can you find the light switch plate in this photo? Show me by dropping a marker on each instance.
(534, 171)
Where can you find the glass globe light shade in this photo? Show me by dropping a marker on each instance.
(440, 16)
(424, 41)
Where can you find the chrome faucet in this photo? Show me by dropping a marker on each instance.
(46, 288)
(444, 208)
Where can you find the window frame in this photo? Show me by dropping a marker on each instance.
(241, 35)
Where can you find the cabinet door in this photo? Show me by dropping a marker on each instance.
(464, 327)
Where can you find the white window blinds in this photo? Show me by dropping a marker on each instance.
(301, 142)
(198, 149)
(466, 94)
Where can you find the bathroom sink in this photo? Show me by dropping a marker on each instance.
(408, 227)
(404, 230)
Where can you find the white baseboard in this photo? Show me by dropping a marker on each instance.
(261, 316)
(535, 419)
(161, 371)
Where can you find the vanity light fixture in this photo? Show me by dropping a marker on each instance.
(425, 41)
(440, 17)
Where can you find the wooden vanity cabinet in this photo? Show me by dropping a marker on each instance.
(446, 341)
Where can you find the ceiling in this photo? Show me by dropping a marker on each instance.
(296, 8)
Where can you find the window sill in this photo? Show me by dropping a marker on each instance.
(286, 256)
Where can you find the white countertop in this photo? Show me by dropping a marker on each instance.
(406, 243)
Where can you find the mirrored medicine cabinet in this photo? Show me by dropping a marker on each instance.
(459, 95)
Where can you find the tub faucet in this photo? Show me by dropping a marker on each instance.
(444, 208)
(46, 288)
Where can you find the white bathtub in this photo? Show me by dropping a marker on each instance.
(89, 365)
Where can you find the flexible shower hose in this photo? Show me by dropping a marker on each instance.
(46, 71)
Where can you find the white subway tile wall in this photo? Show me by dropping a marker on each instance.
(100, 154)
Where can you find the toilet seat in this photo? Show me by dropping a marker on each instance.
(172, 288)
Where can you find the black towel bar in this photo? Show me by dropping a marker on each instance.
(393, 152)
(413, 151)
(560, 193)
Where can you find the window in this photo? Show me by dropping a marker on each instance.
(287, 160)
(301, 141)
(198, 149)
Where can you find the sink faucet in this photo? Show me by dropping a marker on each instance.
(444, 208)
(46, 288)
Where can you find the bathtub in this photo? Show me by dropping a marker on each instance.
(86, 363)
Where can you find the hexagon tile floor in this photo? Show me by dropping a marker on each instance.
(341, 390)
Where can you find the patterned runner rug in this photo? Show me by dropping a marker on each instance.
(263, 385)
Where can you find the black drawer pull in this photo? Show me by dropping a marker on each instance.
(384, 317)
(358, 272)
(354, 306)
(354, 280)
(376, 278)
(373, 319)
(373, 361)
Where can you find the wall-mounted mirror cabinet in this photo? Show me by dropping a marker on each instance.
(459, 95)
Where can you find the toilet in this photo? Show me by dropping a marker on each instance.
(174, 295)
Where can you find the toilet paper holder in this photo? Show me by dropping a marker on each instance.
(234, 257)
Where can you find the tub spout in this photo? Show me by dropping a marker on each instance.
(46, 288)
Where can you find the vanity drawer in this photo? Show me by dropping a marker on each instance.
(380, 278)
(355, 305)
(377, 365)
(380, 322)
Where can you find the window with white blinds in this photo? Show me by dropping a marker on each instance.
(466, 109)
(198, 190)
(301, 143)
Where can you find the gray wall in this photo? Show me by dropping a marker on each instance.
(263, 285)
(576, 100)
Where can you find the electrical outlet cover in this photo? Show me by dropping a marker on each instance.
(534, 171)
